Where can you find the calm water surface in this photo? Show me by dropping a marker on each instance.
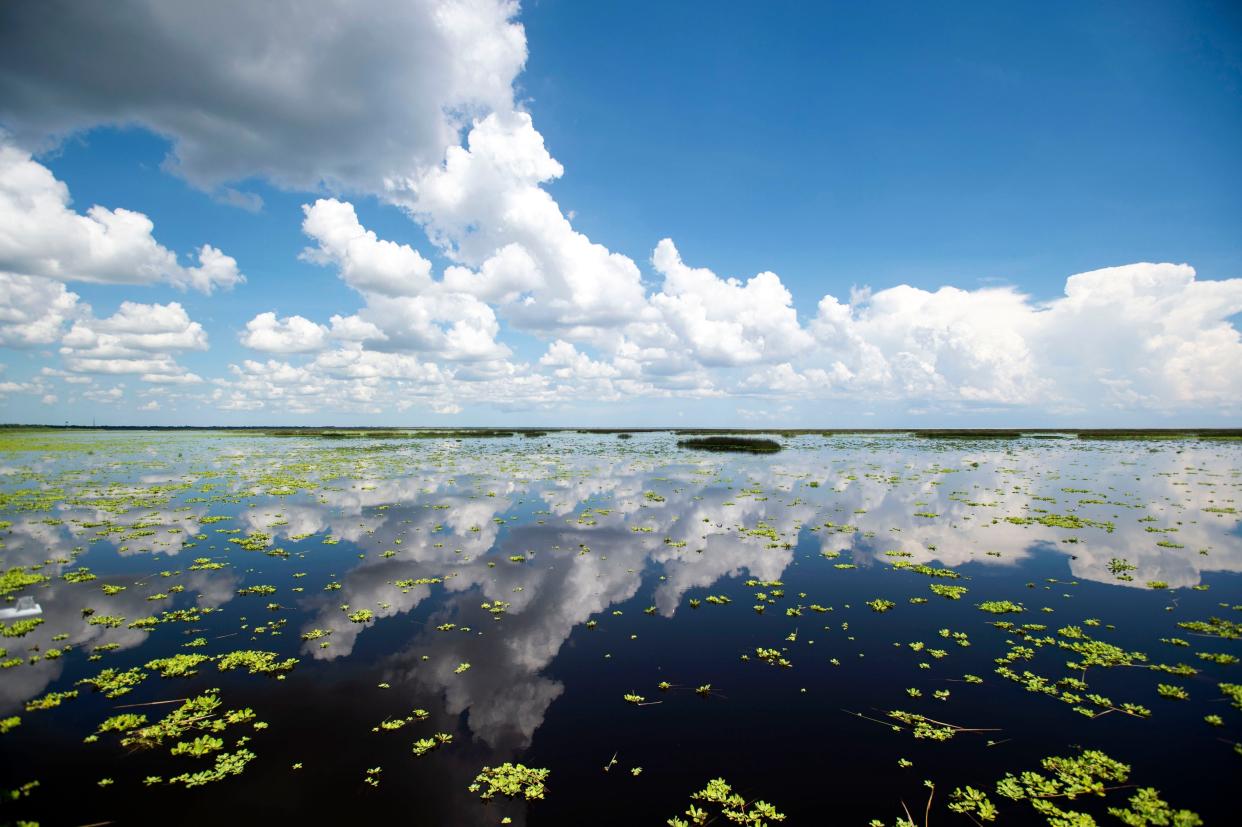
(571, 570)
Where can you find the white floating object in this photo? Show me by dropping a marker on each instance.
(26, 607)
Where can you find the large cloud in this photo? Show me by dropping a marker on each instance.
(726, 322)
(40, 235)
(1141, 337)
(139, 339)
(366, 263)
(33, 311)
(293, 334)
(1147, 336)
(405, 309)
(485, 207)
(343, 92)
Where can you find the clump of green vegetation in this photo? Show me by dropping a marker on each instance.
(256, 662)
(980, 433)
(1160, 433)
(772, 657)
(20, 628)
(206, 564)
(255, 541)
(1121, 569)
(951, 592)
(921, 568)
(512, 781)
(1233, 691)
(114, 684)
(123, 722)
(256, 590)
(923, 727)
(199, 720)
(739, 444)
(50, 701)
(1216, 626)
(17, 577)
(1176, 693)
(178, 666)
(1089, 773)
(1000, 607)
(200, 746)
(1221, 658)
(719, 795)
(78, 575)
(425, 745)
(1071, 521)
(880, 605)
(199, 714)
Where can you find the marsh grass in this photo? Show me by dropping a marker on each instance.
(736, 444)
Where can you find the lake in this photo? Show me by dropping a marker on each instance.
(252, 626)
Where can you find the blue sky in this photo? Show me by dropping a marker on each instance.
(894, 142)
(938, 171)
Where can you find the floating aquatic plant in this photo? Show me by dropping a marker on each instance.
(114, 684)
(718, 795)
(999, 607)
(951, 592)
(16, 578)
(512, 781)
(1088, 774)
(425, 745)
(255, 662)
(178, 666)
(1219, 627)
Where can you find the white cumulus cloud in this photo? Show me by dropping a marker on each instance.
(41, 235)
(138, 339)
(725, 322)
(292, 334)
(1143, 336)
(33, 311)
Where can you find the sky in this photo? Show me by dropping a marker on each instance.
(470, 212)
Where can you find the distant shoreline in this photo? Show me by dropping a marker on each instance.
(931, 433)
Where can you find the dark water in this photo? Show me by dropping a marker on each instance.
(615, 538)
